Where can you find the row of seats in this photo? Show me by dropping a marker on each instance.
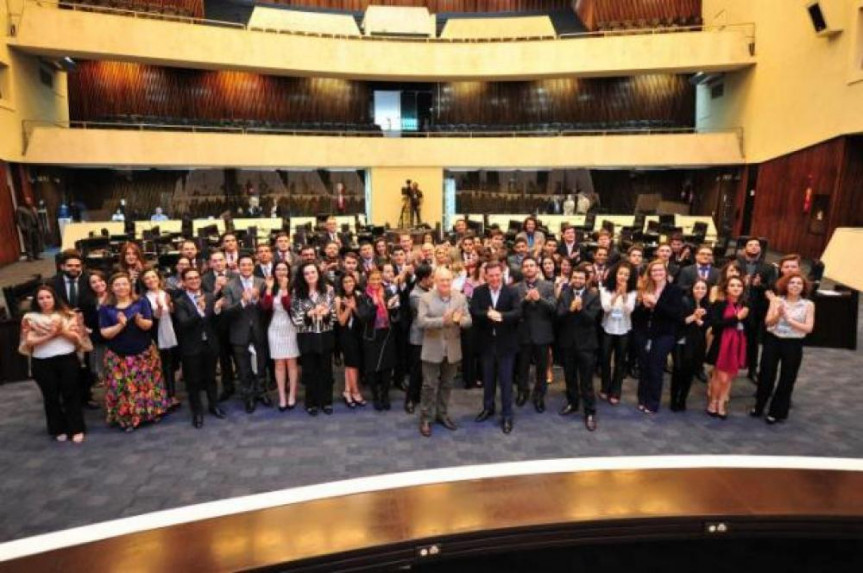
(632, 125)
(185, 8)
(233, 124)
(653, 23)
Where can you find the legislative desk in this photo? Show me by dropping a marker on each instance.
(443, 517)
(555, 222)
(74, 232)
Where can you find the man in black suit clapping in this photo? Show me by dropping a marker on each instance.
(578, 309)
(194, 314)
(536, 331)
(496, 313)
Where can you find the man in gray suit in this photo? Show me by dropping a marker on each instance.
(535, 333)
(442, 314)
(246, 331)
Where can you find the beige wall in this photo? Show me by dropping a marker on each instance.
(46, 30)
(386, 185)
(302, 21)
(93, 147)
(22, 94)
(523, 27)
(801, 91)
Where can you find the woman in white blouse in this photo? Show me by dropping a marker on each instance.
(617, 296)
(164, 335)
(50, 335)
(790, 317)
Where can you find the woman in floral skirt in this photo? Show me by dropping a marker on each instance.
(134, 389)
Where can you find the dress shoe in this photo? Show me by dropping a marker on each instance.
(521, 399)
(218, 412)
(250, 405)
(447, 423)
(484, 415)
(328, 410)
(283, 408)
(755, 412)
(568, 409)
(506, 425)
(197, 420)
(410, 407)
(425, 429)
(225, 395)
(590, 422)
(312, 411)
(265, 400)
(771, 420)
(539, 405)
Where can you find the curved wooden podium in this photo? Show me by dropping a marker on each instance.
(405, 527)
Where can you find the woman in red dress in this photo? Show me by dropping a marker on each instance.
(728, 351)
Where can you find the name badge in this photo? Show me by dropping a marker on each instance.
(617, 313)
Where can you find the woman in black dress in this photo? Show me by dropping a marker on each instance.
(688, 353)
(378, 313)
(349, 331)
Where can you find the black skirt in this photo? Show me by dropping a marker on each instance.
(351, 344)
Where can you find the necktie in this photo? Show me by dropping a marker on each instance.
(704, 272)
(73, 293)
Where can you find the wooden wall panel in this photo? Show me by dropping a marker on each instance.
(658, 98)
(9, 244)
(434, 6)
(103, 90)
(614, 14)
(778, 211)
(192, 8)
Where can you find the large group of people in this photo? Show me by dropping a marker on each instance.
(485, 309)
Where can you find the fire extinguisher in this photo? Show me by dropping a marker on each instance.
(807, 197)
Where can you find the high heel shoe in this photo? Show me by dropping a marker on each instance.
(349, 402)
(359, 400)
(291, 406)
(283, 408)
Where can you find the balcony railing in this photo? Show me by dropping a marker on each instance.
(747, 29)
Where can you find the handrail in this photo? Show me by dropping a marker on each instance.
(75, 6)
(28, 126)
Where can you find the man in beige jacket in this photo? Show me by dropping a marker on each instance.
(442, 314)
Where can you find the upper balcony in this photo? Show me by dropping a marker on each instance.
(48, 28)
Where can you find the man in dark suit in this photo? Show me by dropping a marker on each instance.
(330, 233)
(263, 261)
(496, 313)
(578, 309)
(520, 252)
(28, 223)
(214, 281)
(283, 249)
(758, 276)
(72, 285)
(569, 246)
(246, 332)
(195, 317)
(536, 331)
(703, 268)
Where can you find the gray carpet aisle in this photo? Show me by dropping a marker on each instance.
(46, 486)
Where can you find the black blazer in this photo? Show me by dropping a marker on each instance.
(537, 317)
(578, 329)
(757, 300)
(208, 281)
(496, 337)
(688, 275)
(86, 297)
(191, 326)
(693, 335)
(718, 324)
(577, 252)
(665, 318)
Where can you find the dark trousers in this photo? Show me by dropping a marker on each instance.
(415, 383)
(787, 352)
(57, 378)
(539, 354)
(252, 385)
(226, 351)
(317, 377)
(652, 364)
(578, 368)
(612, 380)
(199, 372)
(32, 242)
(681, 377)
(86, 379)
(403, 363)
(754, 335)
(167, 356)
(470, 370)
(380, 383)
(497, 368)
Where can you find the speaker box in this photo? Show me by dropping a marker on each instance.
(827, 16)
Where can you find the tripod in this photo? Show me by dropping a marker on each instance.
(405, 216)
